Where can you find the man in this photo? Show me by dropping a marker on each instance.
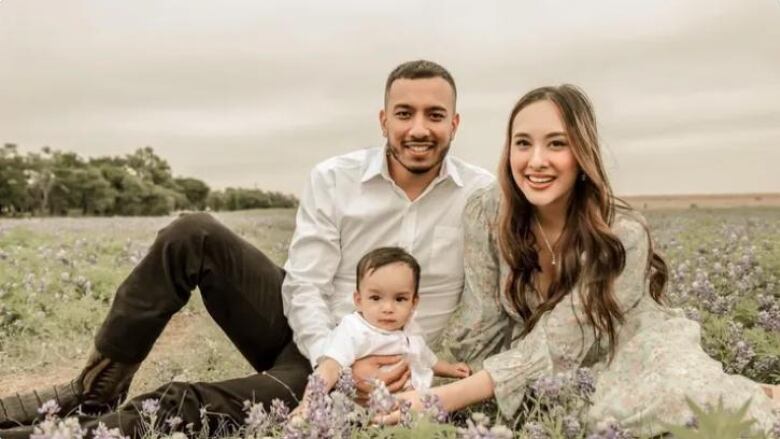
(410, 193)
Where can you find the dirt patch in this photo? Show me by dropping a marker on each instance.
(174, 336)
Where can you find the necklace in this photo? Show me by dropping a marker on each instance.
(546, 241)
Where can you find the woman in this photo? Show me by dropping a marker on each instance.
(551, 253)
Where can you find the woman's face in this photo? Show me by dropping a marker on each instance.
(540, 156)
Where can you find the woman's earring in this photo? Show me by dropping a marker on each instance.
(583, 176)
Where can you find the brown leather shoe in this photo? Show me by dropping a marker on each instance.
(99, 388)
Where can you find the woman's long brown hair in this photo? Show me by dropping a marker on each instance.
(590, 214)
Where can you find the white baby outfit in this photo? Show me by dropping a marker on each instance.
(355, 338)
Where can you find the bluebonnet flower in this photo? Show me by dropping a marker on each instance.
(610, 429)
(318, 412)
(278, 411)
(584, 382)
(173, 422)
(257, 419)
(150, 407)
(103, 432)
(549, 387)
(342, 414)
(433, 408)
(346, 383)
(535, 430)
(49, 408)
(380, 400)
(774, 433)
(770, 319)
(572, 428)
(54, 428)
(478, 427)
(405, 409)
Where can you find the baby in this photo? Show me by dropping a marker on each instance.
(385, 300)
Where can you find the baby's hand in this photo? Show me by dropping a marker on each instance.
(300, 411)
(460, 370)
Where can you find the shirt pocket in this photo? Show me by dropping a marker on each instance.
(447, 253)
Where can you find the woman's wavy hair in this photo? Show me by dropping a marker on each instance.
(590, 214)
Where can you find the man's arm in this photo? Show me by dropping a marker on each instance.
(314, 256)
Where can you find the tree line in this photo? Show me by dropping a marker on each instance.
(52, 182)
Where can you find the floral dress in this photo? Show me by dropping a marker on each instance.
(658, 360)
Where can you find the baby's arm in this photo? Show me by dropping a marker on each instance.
(328, 370)
(451, 370)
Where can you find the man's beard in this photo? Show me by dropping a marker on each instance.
(390, 151)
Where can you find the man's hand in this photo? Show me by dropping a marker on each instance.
(364, 369)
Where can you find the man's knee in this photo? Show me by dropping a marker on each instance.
(192, 225)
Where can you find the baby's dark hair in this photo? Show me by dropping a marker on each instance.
(382, 256)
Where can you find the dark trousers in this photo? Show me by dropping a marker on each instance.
(241, 290)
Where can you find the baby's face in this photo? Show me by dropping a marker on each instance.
(386, 298)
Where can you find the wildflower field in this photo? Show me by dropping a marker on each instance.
(57, 277)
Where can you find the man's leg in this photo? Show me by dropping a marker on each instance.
(240, 288)
(223, 401)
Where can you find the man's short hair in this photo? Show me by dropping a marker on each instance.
(420, 69)
(382, 256)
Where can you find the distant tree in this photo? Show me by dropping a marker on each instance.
(150, 167)
(196, 191)
(56, 182)
(14, 195)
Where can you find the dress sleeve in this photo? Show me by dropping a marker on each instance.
(562, 337)
(476, 328)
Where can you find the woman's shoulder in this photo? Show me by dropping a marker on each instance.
(629, 226)
(484, 202)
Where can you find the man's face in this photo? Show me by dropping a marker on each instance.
(419, 122)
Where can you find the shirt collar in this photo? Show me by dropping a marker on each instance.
(377, 165)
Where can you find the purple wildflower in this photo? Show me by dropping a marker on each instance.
(318, 413)
(54, 428)
(279, 411)
(256, 420)
(103, 432)
(474, 431)
(549, 388)
(49, 408)
(610, 429)
(535, 430)
(380, 400)
(433, 408)
(173, 422)
(774, 433)
(407, 416)
(150, 407)
(584, 382)
(572, 428)
(346, 383)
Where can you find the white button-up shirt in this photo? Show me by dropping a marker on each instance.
(350, 206)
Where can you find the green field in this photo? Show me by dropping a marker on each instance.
(57, 277)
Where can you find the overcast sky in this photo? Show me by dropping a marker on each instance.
(255, 92)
